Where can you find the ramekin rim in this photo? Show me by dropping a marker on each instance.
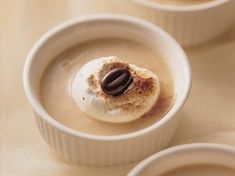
(180, 148)
(188, 8)
(105, 16)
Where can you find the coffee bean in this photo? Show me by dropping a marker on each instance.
(116, 81)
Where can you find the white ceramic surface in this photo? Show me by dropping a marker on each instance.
(185, 155)
(190, 25)
(86, 149)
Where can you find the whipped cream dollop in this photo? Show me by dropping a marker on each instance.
(138, 98)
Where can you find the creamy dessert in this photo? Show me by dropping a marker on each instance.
(108, 86)
(182, 2)
(202, 170)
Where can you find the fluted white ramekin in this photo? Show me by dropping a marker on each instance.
(186, 155)
(190, 25)
(86, 149)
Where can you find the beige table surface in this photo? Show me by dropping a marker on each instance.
(208, 116)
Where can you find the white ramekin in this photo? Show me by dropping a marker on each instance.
(86, 149)
(190, 25)
(186, 155)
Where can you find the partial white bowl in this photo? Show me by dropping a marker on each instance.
(186, 155)
(191, 24)
(86, 149)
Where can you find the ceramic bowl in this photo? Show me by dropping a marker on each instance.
(189, 24)
(86, 149)
(186, 155)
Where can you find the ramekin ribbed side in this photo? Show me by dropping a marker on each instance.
(106, 153)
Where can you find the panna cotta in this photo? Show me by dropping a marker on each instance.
(74, 87)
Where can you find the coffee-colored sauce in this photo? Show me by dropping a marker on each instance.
(56, 79)
(181, 2)
(202, 170)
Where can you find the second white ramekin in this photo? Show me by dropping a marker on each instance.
(190, 25)
(86, 149)
(186, 155)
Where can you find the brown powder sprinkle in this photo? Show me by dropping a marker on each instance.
(92, 82)
(143, 85)
(139, 91)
